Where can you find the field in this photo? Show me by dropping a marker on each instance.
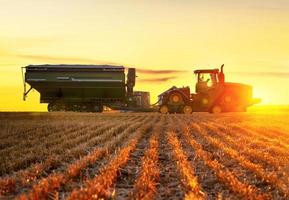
(144, 156)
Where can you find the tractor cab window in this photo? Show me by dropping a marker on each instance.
(206, 79)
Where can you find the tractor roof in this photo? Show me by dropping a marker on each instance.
(206, 71)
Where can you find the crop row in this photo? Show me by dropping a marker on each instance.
(100, 186)
(189, 179)
(263, 154)
(146, 183)
(224, 174)
(232, 154)
(54, 181)
(95, 137)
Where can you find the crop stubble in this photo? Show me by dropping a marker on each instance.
(143, 156)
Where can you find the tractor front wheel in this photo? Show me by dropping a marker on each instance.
(164, 109)
(216, 109)
(187, 110)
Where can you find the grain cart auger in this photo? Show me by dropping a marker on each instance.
(85, 87)
(212, 95)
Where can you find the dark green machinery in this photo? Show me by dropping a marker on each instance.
(213, 95)
(81, 87)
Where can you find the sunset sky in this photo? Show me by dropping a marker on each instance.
(251, 37)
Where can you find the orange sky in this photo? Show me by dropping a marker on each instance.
(250, 37)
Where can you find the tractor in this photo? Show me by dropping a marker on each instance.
(212, 95)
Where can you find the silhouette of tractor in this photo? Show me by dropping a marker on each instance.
(212, 95)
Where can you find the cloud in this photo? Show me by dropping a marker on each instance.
(34, 40)
(62, 60)
(264, 74)
(157, 80)
(151, 71)
(74, 60)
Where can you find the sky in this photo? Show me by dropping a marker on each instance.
(165, 39)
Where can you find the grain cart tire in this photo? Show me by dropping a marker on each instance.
(62, 107)
(71, 107)
(98, 108)
(164, 109)
(52, 107)
(187, 109)
(216, 109)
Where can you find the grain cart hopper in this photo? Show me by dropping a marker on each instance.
(82, 87)
(213, 95)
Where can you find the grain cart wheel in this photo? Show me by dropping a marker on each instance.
(216, 109)
(52, 107)
(83, 107)
(62, 107)
(187, 109)
(97, 108)
(164, 109)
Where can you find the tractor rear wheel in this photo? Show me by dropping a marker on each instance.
(240, 109)
(164, 109)
(187, 109)
(216, 109)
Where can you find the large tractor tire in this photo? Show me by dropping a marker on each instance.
(176, 102)
(175, 98)
(216, 109)
(97, 108)
(187, 109)
(164, 109)
(55, 107)
(240, 108)
(52, 107)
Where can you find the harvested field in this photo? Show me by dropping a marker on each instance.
(144, 156)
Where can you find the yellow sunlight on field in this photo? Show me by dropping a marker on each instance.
(144, 156)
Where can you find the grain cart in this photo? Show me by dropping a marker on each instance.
(82, 87)
(213, 95)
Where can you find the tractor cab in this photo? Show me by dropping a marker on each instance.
(208, 78)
